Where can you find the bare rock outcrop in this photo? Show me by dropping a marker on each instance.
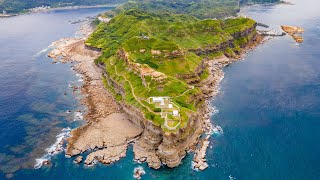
(78, 160)
(199, 160)
(294, 32)
(104, 133)
(107, 155)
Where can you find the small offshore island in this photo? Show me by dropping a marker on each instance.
(147, 80)
(294, 32)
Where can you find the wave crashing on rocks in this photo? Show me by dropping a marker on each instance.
(56, 148)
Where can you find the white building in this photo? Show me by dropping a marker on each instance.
(157, 99)
(175, 113)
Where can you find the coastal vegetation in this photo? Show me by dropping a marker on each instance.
(199, 8)
(150, 54)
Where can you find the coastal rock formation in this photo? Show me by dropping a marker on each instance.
(103, 133)
(138, 172)
(145, 149)
(200, 154)
(294, 32)
(107, 155)
(72, 49)
(78, 160)
(118, 108)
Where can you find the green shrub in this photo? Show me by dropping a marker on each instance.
(157, 110)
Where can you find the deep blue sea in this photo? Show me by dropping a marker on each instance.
(269, 105)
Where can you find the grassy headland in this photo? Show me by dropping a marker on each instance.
(148, 54)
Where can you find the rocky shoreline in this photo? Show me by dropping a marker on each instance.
(210, 87)
(295, 32)
(103, 133)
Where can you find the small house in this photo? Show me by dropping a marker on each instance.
(175, 113)
(157, 100)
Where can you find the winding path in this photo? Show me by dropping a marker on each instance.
(148, 108)
(192, 87)
(132, 89)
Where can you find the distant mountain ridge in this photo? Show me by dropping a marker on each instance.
(18, 6)
(258, 1)
(198, 8)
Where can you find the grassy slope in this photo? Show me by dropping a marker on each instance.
(135, 30)
(199, 8)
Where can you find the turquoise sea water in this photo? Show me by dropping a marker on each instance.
(269, 105)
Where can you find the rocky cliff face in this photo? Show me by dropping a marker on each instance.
(174, 146)
(249, 33)
(155, 146)
(207, 50)
(228, 44)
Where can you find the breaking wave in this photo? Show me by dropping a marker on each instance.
(43, 51)
(78, 116)
(138, 172)
(56, 148)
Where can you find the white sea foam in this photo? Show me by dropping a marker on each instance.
(214, 110)
(193, 166)
(56, 148)
(80, 77)
(78, 116)
(71, 84)
(138, 172)
(43, 51)
(217, 130)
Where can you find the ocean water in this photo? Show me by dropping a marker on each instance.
(33, 107)
(269, 105)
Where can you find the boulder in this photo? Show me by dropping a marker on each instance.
(78, 160)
